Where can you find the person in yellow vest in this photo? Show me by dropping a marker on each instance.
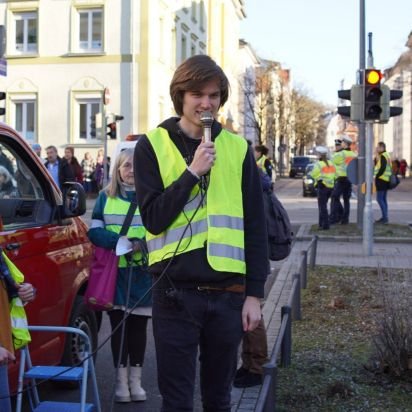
(13, 324)
(343, 187)
(132, 293)
(382, 173)
(202, 205)
(262, 160)
(323, 173)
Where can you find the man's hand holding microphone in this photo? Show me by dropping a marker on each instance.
(205, 155)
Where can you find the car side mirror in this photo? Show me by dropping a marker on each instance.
(74, 199)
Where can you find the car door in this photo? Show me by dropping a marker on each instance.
(52, 253)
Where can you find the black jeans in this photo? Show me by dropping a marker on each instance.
(343, 187)
(323, 197)
(208, 320)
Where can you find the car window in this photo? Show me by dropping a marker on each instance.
(22, 199)
(300, 160)
(16, 179)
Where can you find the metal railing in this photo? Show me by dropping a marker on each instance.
(282, 348)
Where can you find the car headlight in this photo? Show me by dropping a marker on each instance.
(308, 181)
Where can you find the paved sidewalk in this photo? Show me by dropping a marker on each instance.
(330, 252)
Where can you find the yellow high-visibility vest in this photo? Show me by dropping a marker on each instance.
(388, 170)
(218, 221)
(115, 211)
(261, 163)
(325, 172)
(19, 326)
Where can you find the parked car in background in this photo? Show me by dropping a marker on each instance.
(298, 165)
(43, 235)
(308, 184)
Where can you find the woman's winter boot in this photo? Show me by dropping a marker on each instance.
(122, 393)
(135, 384)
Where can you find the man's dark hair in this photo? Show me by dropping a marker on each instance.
(261, 148)
(192, 75)
(382, 145)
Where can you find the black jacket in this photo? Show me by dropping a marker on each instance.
(159, 207)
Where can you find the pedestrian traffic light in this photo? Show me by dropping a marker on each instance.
(354, 112)
(2, 109)
(372, 94)
(96, 125)
(111, 121)
(387, 110)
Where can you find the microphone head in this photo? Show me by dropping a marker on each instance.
(207, 119)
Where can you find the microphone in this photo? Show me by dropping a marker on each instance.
(207, 119)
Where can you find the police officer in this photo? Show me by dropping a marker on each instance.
(323, 173)
(343, 186)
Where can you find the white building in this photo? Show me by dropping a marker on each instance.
(63, 55)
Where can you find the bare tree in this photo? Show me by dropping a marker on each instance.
(308, 120)
(259, 101)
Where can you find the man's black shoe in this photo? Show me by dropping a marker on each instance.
(248, 380)
(382, 220)
(240, 373)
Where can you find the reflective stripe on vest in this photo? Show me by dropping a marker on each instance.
(220, 223)
(386, 175)
(115, 211)
(21, 335)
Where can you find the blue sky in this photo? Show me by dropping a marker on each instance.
(319, 39)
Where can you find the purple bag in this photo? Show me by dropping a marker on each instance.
(103, 272)
(102, 280)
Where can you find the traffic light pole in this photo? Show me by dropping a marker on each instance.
(367, 211)
(104, 137)
(361, 125)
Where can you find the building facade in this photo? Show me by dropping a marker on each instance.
(70, 59)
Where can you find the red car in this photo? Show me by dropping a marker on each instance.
(42, 233)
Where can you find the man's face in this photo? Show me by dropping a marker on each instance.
(197, 101)
(51, 155)
(379, 149)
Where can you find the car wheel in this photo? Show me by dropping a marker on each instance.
(83, 318)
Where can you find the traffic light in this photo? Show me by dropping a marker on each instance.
(387, 110)
(96, 125)
(2, 109)
(112, 130)
(372, 94)
(111, 121)
(354, 112)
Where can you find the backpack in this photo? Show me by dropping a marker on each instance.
(279, 229)
(393, 181)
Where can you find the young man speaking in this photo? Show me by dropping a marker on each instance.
(201, 203)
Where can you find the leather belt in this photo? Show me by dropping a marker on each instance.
(237, 288)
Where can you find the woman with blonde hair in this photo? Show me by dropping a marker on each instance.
(132, 294)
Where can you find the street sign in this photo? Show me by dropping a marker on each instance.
(106, 96)
(352, 171)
